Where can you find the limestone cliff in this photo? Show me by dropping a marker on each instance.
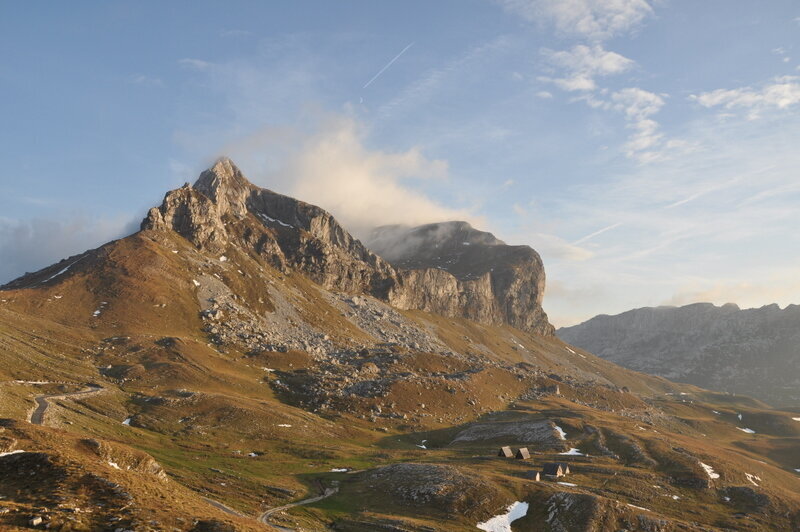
(493, 283)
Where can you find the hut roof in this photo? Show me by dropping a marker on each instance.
(523, 453)
(505, 452)
(553, 469)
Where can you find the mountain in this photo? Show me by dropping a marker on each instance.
(754, 352)
(243, 363)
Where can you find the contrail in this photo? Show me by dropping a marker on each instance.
(381, 71)
(600, 232)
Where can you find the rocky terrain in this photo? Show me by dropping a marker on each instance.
(243, 363)
(754, 352)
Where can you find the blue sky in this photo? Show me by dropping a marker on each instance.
(647, 149)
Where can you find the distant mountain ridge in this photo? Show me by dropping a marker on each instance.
(750, 351)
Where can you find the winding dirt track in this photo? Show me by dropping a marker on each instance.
(37, 416)
(263, 518)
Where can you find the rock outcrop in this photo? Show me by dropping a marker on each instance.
(490, 283)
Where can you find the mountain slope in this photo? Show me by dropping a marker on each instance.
(754, 351)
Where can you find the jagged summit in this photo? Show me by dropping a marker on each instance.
(224, 209)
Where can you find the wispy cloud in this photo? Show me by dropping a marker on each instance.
(196, 64)
(779, 93)
(582, 64)
(147, 81)
(591, 19)
(596, 233)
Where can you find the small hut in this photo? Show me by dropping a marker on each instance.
(505, 452)
(552, 470)
(533, 475)
(523, 454)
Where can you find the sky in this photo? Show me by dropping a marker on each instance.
(647, 149)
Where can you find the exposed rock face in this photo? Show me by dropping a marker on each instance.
(494, 282)
(490, 283)
(752, 351)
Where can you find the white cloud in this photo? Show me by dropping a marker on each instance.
(330, 166)
(593, 19)
(583, 63)
(545, 95)
(780, 93)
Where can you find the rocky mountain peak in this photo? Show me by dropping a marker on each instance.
(225, 185)
(448, 268)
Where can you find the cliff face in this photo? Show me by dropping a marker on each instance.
(491, 283)
(751, 351)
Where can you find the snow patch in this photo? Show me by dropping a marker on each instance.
(749, 431)
(195, 282)
(340, 470)
(127, 421)
(717, 413)
(502, 522)
(798, 470)
(273, 220)
(796, 418)
(284, 425)
(223, 259)
(570, 484)
(12, 452)
(561, 433)
(752, 478)
(739, 416)
(60, 272)
(114, 465)
(572, 452)
(709, 471)
(638, 507)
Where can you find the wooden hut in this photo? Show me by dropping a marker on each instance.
(505, 452)
(553, 470)
(523, 454)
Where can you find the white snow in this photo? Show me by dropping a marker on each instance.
(12, 452)
(174, 250)
(573, 452)
(561, 433)
(739, 416)
(709, 471)
(502, 522)
(796, 418)
(284, 425)
(749, 431)
(127, 421)
(223, 258)
(726, 499)
(32, 382)
(252, 455)
(798, 470)
(265, 217)
(58, 297)
(195, 282)
(638, 507)
(114, 465)
(570, 350)
(59, 273)
(752, 479)
(570, 484)
(717, 413)
(339, 470)
(96, 313)
(675, 497)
